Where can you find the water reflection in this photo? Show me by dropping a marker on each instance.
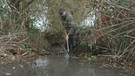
(55, 66)
(40, 62)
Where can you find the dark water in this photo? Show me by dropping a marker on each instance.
(56, 66)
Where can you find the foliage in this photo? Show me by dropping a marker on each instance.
(18, 26)
(114, 23)
(118, 32)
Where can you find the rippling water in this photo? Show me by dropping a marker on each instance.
(56, 66)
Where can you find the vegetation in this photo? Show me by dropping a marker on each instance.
(118, 30)
(18, 34)
(111, 33)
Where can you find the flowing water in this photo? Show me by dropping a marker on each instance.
(56, 66)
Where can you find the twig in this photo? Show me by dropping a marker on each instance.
(129, 36)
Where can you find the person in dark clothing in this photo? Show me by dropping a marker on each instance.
(71, 30)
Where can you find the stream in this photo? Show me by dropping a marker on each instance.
(56, 66)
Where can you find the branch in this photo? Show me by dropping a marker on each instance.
(118, 6)
(129, 36)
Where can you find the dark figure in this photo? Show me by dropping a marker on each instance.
(71, 30)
